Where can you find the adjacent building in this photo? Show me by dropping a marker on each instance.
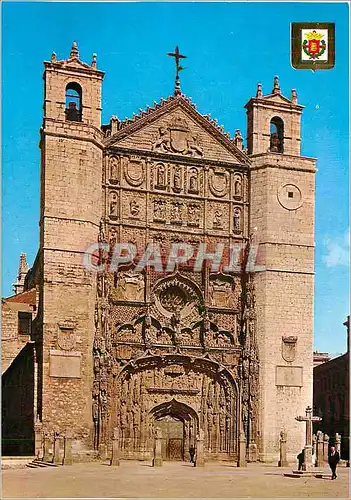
(331, 396)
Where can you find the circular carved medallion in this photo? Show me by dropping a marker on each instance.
(290, 197)
(173, 298)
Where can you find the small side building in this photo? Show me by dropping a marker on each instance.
(18, 360)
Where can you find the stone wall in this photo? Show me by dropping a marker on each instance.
(284, 230)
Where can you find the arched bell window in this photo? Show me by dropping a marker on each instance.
(73, 102)
(276, 135)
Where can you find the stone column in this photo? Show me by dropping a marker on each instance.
(319, 461)
(157, 460)
(338, 443)
(242, 450)
(38, 439)
(67, 448)
(199, 457)
(115, 448)
(325, 447)
(57, 458)
(283, 461)
(47, 445)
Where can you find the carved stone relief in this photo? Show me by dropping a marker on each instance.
(134, 208)
(113, 208)
(191, 389)
(130, 287)
(160, 176)
(193, 181)
(134, 170)
(238, 187)
(218, 217)
(222, 292)
(176, 212)
(114, 169)
(66, 336)
(160, 209)
(194, 213)
(176, 137)
(237, 220)
(177, 179)
(218, 182)
(289, 348)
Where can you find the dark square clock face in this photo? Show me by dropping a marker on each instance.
(313, 45)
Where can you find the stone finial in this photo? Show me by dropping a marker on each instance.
(293, 96)
(22, 271)
(53, 57)
(74, 54)
(276, 88)
(114, 121)
(23, 266)
(238, 140)
(93, 62)
(259, 90)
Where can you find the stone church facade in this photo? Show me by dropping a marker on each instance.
(226, 351)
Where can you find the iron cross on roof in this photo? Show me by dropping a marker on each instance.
(177, 56)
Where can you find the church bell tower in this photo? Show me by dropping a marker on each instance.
(282, 224)
(71, 172)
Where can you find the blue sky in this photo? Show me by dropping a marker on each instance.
(230, 48)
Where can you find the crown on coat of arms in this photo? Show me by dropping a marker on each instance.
(313, 35)
(179, 123)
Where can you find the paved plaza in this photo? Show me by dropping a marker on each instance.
(172, 480)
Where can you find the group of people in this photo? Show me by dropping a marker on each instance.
(333, 460)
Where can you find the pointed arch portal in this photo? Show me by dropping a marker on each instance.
(179, 425)
(179, 394)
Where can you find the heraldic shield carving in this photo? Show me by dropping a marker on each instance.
(177, 138)
(289, 348)
(66, 337)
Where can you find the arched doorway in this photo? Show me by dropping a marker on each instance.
(179, 425)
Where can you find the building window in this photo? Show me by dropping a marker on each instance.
(276, 135)
(24, 323)
(73, 102)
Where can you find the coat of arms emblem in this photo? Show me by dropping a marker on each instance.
(66, 338)
(179, 134)
(177, 138)
(289, 348)
(314, 45)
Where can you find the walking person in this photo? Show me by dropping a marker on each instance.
(301, 458)
(192, 454)
(333, 459)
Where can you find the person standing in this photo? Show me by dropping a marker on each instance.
(301, 457)
(333, 459)
(192, 454)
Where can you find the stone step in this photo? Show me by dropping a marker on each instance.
(35, 464)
